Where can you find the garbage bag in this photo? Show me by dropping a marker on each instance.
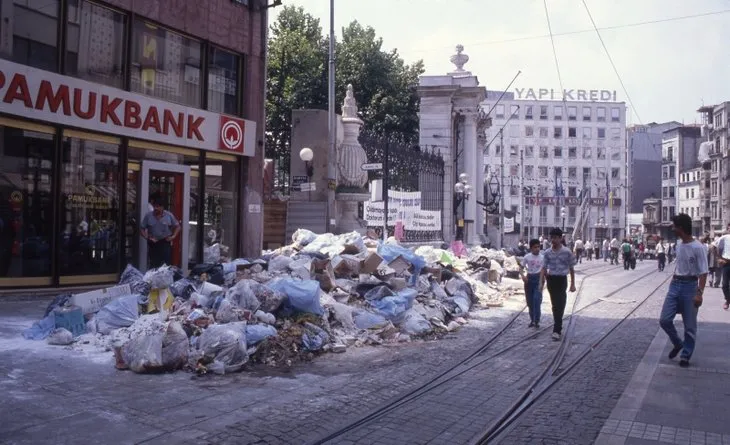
(301, 268)
(243, 297)
(378, 292)
(40, 329)
(394, 306)
(389, 252)
(279, 263)
(61, 337)
(265, 317)
(135, 279)
(212, 254)
(368, 320)
(201, 300)
(226, 345)
(462, 303)
(269, 298)
(175, 347)
(327, 244)
(256, 333)
(302, 295)
(59, 301)
(353, 242)
(229, 312)
(414, 323)
(183, 288)
(314, 338)
(119, 313)
(438, 291)
(160, 278)
(302, 237)
(143, 352)
(206, 288)
(343, 314)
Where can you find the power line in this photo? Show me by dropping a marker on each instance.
(582, 31)
(555, 54)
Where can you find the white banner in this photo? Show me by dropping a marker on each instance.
(509, 225)
(405, 207)
(424, 220)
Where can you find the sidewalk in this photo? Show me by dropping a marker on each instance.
(664, 403)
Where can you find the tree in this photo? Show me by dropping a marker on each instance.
(385, 86)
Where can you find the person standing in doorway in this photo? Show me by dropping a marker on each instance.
(723, 259)
(685, 291)
(159, 227)
(558, 263)
(532, 276)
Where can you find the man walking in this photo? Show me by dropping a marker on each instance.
(615, 245)
(661, 255)
(589, 250)
(685, 291)
(559, 262)
(712, 263)
(626, 250)
(159, 227)
(606, 247)
(723, 254)
(532, 264)
(579, 251)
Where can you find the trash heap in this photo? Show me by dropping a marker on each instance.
(322, 293)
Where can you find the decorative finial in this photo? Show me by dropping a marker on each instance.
(459, 59)
(349, 108)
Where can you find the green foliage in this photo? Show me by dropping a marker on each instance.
(385, 86)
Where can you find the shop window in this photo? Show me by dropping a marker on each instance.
(165, 64)
(26, 204)
(90, 236)
(221, 232)
(95, 43)
(34, 27)
(223, 69)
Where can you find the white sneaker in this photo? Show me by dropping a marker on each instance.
(556, 336)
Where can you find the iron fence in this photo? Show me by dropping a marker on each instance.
(278, 149)
(409, 169)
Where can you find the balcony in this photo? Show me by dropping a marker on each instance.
(543, 221)
(668, 160)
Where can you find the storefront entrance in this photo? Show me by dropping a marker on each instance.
(171, 183)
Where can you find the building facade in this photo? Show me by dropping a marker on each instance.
(689, 197)
(716, 138)
(644, 143)
(564, 163)
(680, 147)
(107, 104)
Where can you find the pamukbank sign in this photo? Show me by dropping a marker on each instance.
(42, 95)
(550, 94)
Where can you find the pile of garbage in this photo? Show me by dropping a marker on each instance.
(322, 293)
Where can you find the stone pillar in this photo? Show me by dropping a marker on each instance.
(470, 168)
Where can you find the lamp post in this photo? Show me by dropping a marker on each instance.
(462, 191)
(562, 214)
(306, 155)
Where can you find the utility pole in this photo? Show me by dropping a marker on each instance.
(332, 152)
(501, 188)
(386, 184)
(522, 205)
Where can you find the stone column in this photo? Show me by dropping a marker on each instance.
(470, 168)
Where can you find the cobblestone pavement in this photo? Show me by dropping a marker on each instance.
(60, 396)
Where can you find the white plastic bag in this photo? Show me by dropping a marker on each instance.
(119, 313)
(242, 296)
(175, 347)
(160, 278)
(61, 337)
(226, 346)
(279, 263)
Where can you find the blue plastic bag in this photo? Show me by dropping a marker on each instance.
(389, 252)
(302, 295)
(256, 333)
(314, 338)
(368, 320)
(119, 313)
(392, 307)
(40, 329)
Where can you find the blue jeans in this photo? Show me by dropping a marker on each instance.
(680, 300)
(533, 293)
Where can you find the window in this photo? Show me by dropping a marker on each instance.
(95, 43)
(543, 132)
(558, 132)
(543, 152)
(600, 173)
(558, 152)
(529, 151)
(615, 115)
(89, 219)
(558, 112)
(586, 173)
(571, 212)
(586, 114)
(529, 131)
(615, 133)
(558, 172)
(601, 133)
(572, 131)
(34, 39)
(587, 133)
(665, 214)
(528, 112)
(572, 113)
(529, 171)
(587, 153)
(572, 172)
(714, 210)
(601, 114)
(514, 170)
(223, 74)
(27, 177)
(615, 153)
(499, 110)
(497, 150)
(543, 112)
(514, 131)
(165, 64)
(665, 172)
(221, 206)
(671, 212)
(514, 190)
(671, 191)
(513, 151)
(572, 192)
(665, 192)
(672, 171)
(542, 171)
(615, 173)
(601, 153)
(513, 109)
(572, 152)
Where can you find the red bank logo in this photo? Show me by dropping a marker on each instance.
(231, 135)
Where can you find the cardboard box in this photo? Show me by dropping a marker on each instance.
(345, 266)
(371, 263)
(91, 302)
(399, 264)
(321, 270)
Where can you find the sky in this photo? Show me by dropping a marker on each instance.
(669, 69)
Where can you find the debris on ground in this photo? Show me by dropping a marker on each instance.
(322, 293)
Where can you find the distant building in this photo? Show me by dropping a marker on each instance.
(680, 147)
(688, 197)
(644, 145)
(716, 172)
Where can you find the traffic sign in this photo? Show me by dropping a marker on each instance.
(373, 166)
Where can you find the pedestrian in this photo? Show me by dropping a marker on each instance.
(685, 290)
(579, 250)
(615, 245)
(160, 228)
(532, 265)
(723, 253)
(606, 249)
(597, 249)
(559, 262)
(589, 250)
(661, 255)
(712, 263)
(545, 243)
(626, 251)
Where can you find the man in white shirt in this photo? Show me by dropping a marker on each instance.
(615, 245)
(589, 250)
(579, 250)
(606, 246)
(685, 291)
(532, 276)
(661, 256)
(723, 260)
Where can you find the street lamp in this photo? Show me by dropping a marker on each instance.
(562, 214)
(306, 155)
(462, 191)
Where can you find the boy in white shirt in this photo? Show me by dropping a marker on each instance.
(531, 274)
